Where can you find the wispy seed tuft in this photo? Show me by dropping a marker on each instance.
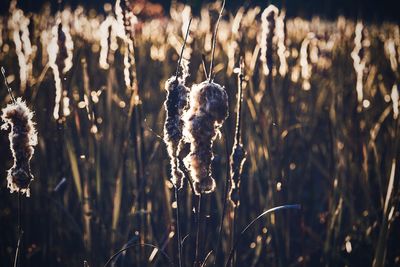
(208, 110)
(23, 137)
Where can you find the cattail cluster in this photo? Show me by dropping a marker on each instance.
(23, 138)
(208, 110)
(175, 105)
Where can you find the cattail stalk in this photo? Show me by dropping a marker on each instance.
(214, 42)
(238, 155)
(208, 110)
(23, 138)
(176, 103)
(269, 40)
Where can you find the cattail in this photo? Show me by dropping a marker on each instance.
(127, 20)
(60, 61)
(268, 39)
(359, 61)
(238, 156)
(202, 121)
(65, 41)
(208, 110)
(107, 40)
(19, 24)
(52, 51)
(280, 34)
(23, 138)
(175, 105)
(306, 68)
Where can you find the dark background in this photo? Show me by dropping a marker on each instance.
(368, 10)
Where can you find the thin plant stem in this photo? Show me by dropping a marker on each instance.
(8, 87)
(238, 140)
(183, 48)
(237, 239)
(234, 227)
(210, 73)
(196, 262)
(238, 136)
(139, 245)
(178, 227)
(20, 232)
(203, 61)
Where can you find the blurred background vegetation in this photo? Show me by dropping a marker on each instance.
(101, 168)
(383, 10)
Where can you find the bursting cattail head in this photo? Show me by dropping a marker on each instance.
(208, 110)
(175, 104)
(23, 138)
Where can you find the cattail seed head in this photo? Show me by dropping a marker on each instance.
(208, 110)
(237, 160)
(23, 138)
(175, 104)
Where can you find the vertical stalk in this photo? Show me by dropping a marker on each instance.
(20, 232)
(178, 227)
(210, 73)
(196, 261)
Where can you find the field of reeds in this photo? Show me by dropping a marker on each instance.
(316, 134)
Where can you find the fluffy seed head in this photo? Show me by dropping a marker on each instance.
(208, 110)
(23, 138)
(175, 104)
(237, 160)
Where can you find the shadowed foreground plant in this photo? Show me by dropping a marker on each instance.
(23, 137)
